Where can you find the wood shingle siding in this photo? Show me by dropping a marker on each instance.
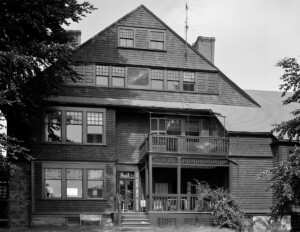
(104, 47)
(247, 187)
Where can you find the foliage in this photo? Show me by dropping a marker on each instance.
(35, 55)
(285, 178)
(225, 208)
(291, 82)
(285, 183)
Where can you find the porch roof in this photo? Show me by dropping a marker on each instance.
(238, 118)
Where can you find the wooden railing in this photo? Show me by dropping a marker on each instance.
(183, 202)
(184, 144)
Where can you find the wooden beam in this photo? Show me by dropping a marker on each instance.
(178, 182)
(150, 182)
(147, 186)
(32, 188)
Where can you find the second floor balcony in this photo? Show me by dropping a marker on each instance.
(184, 145)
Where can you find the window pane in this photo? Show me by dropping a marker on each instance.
(136, 76)
(154, 124)
(95, 183)
(53, 183)
(74, 188)
(188, 86)
(101, 70)
(53, 188)
(116, 81)
(74, 183)
(162, 124)
(53, 126)
(173, 85)
(95, 189)
(95, 174)
(118, 71)
(173, 126)
(102, 80)
(157, 84)
(74, 126)
(94, 127)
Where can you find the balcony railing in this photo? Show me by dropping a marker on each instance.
(183, 202)
(184, 145)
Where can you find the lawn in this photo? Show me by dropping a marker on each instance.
(116, 229)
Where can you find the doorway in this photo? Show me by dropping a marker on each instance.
(126, 190)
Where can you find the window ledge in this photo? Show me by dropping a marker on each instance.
(143, 49)
(74, 144)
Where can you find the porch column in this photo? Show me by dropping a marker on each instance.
(178, 182)
(150, 182)
(147, 186)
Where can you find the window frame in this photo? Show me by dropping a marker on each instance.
(85, 167)
(119, 37)
(188, 79)
(84, 111)
(154, 40)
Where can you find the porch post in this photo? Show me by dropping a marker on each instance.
(178, 182)
(147, 186)
(150, 182)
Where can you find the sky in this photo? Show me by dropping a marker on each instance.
(251, 35)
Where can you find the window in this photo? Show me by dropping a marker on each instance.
(126, 37)
(189, 81)
(53, 180)
(157, 79)
(173, 126)
(53, 126)
(157, 39)
(75, 125)
(192, 127)
(118, 76)
(94, 127)
(137, 76)
(158, 126)
(73, 181)
(102, 74)
(95, 184)
(173, 80)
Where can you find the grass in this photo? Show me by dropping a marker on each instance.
(116, 229)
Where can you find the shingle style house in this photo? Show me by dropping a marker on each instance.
(150, 115)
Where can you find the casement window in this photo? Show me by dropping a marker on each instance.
(69, 181)
(173, 80)
(157, 79)
(118, 76)
(157, 40)
(189, 81)
(75, 125)
(126, 37)
(102, 75)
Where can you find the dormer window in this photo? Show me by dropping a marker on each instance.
(189, 81)
(157, 40)
(126, 37)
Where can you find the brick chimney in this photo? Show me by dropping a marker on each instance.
(77, 37)
(206, 46)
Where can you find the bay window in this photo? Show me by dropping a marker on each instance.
(75, 125)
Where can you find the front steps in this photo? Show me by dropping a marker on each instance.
(135, 221)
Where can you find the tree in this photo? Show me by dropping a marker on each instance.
(35, 55)
(285, 178)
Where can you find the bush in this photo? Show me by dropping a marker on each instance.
(224, 207)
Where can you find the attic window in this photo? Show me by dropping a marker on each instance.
(157, 40)
(126, 37)
(189, 81)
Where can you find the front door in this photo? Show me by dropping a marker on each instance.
(126, 184)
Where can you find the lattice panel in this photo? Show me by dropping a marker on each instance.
(166, 221)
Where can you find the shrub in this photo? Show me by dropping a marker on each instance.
(224, 207)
